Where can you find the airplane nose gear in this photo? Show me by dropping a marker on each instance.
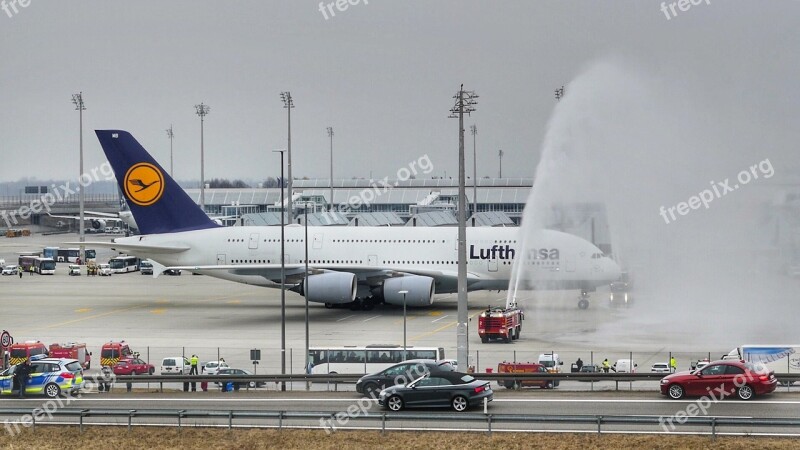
(583, 302)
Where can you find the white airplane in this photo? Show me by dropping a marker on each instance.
(99, 220)
(359, 266)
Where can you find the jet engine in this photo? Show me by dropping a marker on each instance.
(329, 287)
(420, 290)
(98, 224)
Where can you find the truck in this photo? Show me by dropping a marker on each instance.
(778, 358)
(527, 368)
(500, 323)
(113, 351)
(551, 362)
(72, 350)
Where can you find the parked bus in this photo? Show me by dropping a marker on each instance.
(44, 266)
(69, 255)
(369, 359)
(26, 260)
(124, 264)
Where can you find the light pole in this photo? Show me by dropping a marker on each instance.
(474, 130)
(465, 104)
(202, 111)
(305, 213)
(500, 154)
(330, 135)
(283, 280)
(288, 103)
(404, 322)
(170, 135)
(77, 99)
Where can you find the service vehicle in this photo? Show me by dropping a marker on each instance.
(366, 359)
(624, 366)
(745, 379)
(500, 323)
(11, 269)
(552, 362)
(72, 350)
(22, 351)
(108, 230)
(175, 365)
(456, 390)
(146, 267)
(70, 255)
(74, 270)
(48, 376)
(620, 290)
(116, 230)
(133, 366)
(111, 352)
(124, 264)
(2, 263)
(44, 266)
(404, 372)
(528, 368)
(661, 367)
(104, 270)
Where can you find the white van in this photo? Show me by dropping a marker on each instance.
(625, 366)
(175, 365)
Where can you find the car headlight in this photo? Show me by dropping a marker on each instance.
(664, 381)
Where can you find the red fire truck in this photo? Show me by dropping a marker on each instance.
(528, 367)
(72, 350)
(500, 323)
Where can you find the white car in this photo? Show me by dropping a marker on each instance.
(660, 368)
(10, 269)
(74, 269)
(104, 270)
(116, 230)
(2, 263)
(212, 367)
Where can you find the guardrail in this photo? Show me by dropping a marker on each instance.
(281, 416)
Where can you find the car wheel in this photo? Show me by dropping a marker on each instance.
(395, 403)
(371, 390)
(152, 370)
(252, 384)
(52, 390)
(509, 384)
(675, 392)
(745, 392)
(460, 403)
(549, 385)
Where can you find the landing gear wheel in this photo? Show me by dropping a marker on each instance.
(357, 305)
(329, 305)
(583, 303)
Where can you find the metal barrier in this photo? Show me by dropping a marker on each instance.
(282, 416)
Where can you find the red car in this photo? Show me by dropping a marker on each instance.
(721, 379)
(133, 366)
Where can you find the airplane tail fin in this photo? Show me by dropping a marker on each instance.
(158, 204)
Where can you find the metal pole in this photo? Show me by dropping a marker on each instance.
(305, 355)
(405, 329)
(474, 130)
(77, 99)
(461, 333)
(288, 103)
(202, 111)
(283, 284)
(330, 135)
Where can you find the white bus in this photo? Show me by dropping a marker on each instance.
(44, 266)
(124, 264)
(364, 360)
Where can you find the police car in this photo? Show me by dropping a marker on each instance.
(48, 376)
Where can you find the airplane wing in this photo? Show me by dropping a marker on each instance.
(295, 273)
(133, 248)
(88, 217)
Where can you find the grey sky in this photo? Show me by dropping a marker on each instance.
(382, 74)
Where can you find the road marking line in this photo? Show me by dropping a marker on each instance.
(373, 317)
(83, 310)
(440, 318)
(442, 328)
(158, 310)
(344, 318)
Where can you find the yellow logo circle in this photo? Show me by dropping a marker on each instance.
(144, 184)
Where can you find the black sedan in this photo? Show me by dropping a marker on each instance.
(456, 390)
(401, 373)
(239, 384)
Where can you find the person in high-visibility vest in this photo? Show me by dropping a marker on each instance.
(606, 365)
(194, 361)
(673, 364)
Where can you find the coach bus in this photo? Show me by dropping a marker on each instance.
(369, 359)
(44, 266)
(26, 260)
(124, 264)
(69, 255)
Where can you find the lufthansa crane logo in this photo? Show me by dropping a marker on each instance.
(144, 184)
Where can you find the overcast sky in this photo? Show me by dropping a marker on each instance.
(381, 74)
